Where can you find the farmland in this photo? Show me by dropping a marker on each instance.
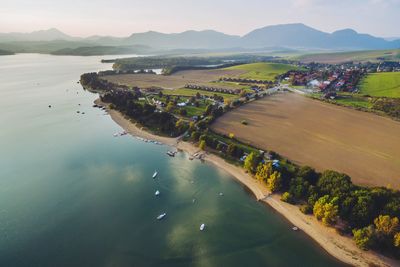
(357, 56)
(174, 81)
(261, 71)
(309, 132)
(382, 84)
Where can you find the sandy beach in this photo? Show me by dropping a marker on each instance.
(341, 247)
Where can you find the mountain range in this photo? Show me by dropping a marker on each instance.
(286, 36)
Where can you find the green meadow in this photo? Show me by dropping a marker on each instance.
(382, 84)
(262, 71)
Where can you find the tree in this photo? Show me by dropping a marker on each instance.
(397, 240)
(287, 197)
(170, 107)
(180, 124)
(202, 145)
(274, 182)
(308, 174)
(326, 210)
(195, 135)
(232, 149)
(385, 225)
(364, 237)
(249, 162)
(335, 184)
(264, 171)
(208, 109)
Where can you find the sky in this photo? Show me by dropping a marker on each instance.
(124, 17)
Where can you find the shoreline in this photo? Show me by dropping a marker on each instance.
(342, 248)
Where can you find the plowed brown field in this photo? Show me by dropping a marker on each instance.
(321, 135)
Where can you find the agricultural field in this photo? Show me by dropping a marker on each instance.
(174, 81)
(191, 92)
(382, 84)
(324, 136)
(261, 71)
(357, 56)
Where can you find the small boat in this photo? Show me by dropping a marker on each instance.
(202, 227)
(155, 174)
(115, 135)
(157, 193)
(171, 154)
(221, 194)
(161, 216)
(295, 228)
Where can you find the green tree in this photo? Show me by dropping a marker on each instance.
(274, 182)
(202, 144)
(335, 184)
(170, 107)
(195, 135)
(249, 162)
(180, 124)
(287, 197)
(364, 237)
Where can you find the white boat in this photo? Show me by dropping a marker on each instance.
(295, 228)
(202, 227)
(161, 216)
(155, 174)
(157, 193)
(221, 194)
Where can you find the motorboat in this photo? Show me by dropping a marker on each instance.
(161, 216)
(202, 227)
(157, 193)
(155, 174)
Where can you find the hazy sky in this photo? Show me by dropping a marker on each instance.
(123, 17)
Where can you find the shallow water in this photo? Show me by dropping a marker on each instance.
(71, 194)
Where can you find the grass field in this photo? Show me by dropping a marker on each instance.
(321, 135)
(358, 56)
(382, 84)
(191, 92)
(261, 71)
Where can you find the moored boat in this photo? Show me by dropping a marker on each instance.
(202, 227)
(161, 216)
(155, 174)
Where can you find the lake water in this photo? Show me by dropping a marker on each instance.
(71, 194)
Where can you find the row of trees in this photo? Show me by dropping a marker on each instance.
(146, 114)
(370, 214)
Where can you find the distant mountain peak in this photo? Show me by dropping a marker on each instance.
(346, 32)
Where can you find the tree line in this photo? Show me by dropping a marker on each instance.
(371, 215)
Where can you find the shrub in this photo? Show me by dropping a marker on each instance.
(287, 197)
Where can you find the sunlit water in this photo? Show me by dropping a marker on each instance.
(71, 194)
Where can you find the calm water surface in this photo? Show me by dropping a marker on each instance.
(73, 195)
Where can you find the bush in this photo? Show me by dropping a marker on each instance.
(306, 209)
(287, 197)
